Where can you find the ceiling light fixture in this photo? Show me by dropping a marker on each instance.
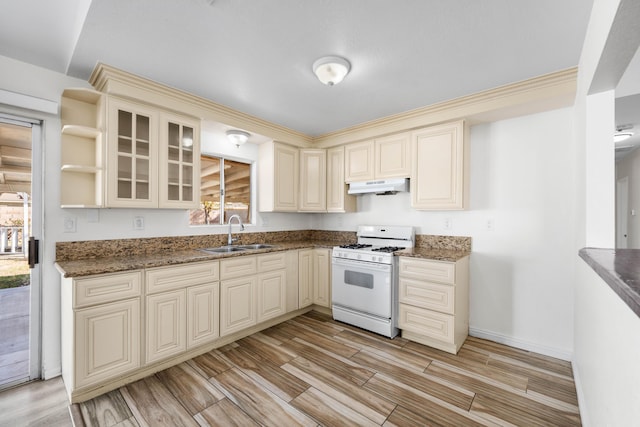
(237, 137)
(330, 70)
(622, 136)
(623, 132)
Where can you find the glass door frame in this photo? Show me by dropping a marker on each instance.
(35, 297)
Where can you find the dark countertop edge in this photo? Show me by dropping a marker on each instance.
(94, 266)
(447, 255)
(620, 269)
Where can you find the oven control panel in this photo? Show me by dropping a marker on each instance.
(363, 256)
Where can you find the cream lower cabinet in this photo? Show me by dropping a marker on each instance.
(182, 308)
(238, 284)
(315, 277)
(434, 302)
(272, 286)
(253, 289)
(100, 328)
(322, 277)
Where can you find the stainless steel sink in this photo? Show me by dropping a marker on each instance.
(256, 246)
(224, 249)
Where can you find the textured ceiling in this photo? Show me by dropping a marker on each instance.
(256, 56)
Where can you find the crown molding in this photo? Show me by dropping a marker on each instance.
(543, 93)
(113, 81)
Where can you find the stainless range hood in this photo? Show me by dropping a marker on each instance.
(380, 186)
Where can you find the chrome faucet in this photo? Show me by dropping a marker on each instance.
(230, 240)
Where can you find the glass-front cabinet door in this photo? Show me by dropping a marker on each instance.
(179, 162)
(132, 155)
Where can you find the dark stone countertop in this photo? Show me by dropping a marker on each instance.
(620, 269)
(88, 267)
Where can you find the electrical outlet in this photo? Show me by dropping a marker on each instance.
(69, 224)
(447, 223)
(490, 226)
(138, 223)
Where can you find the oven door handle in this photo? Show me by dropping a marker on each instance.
(361, 264)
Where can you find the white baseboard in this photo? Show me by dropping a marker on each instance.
(522, 344)
(582, 404)
(47, 374)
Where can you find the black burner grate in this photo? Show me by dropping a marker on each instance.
(387, 249)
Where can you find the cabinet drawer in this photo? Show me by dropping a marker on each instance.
(106, 288)
(238, 267)
(435, 271)
(180, 276)
(433, 296)
(269, 262)
(428, 323)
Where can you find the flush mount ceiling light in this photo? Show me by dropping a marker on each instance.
(237, 137)
(330, 70)
(623, 132)
(621, 136)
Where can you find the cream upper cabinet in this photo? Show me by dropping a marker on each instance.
(359, 161)
(392, 156)
(381, 158)
(278, 177)
(440, 168)
(337, 198)
(132, 155)
(179, 171)
(313, 180)
(153, 157)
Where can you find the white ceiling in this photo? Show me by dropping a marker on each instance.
(256, 56)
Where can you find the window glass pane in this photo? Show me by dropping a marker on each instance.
(237, 191)
(237, 185)
(209, 212)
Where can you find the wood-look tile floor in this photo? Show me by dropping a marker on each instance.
(313, 371)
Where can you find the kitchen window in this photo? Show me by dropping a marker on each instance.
(225, 190)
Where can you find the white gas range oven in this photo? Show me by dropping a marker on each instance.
(364, 278)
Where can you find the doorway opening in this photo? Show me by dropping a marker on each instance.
(19, 330)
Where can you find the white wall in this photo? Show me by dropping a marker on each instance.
(522, 180)
(607, 351)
